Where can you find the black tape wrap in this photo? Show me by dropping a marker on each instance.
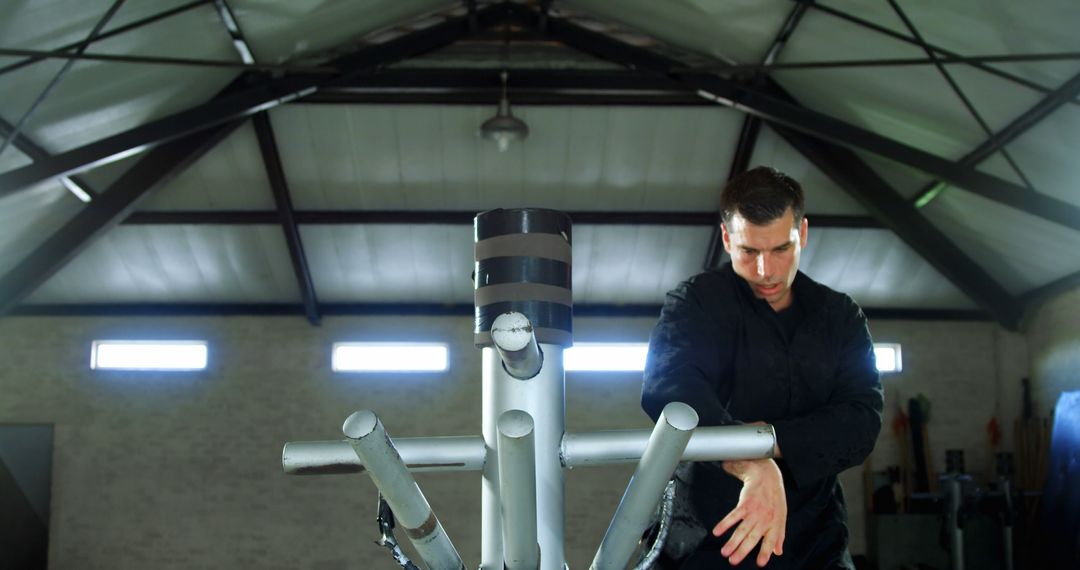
(523, 264)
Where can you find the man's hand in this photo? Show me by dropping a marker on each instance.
(761, 514)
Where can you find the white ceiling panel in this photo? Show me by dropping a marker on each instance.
(999, 166)
(178, 264)
(231, 176)
(38, 25)
(635, 264)
(282, 31)
(907, 181)
(12, 158)
(998, 100)
(1019, 250)
(29, 217)
(390, 263)
(576, 158)
(976, 27)
(739, 31)
(878, 270)
(1048, 154)
(95, 98)
(911, 104)
(823, 196)
(486, 55)
(875, 12)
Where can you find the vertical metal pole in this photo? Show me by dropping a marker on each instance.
(523, 261)
(517, 486)
(392, 477)
(953, 493)
(662, 453)
(543, 398)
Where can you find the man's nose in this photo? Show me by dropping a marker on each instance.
(762, 265)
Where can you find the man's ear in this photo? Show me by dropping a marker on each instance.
(802, 232)
(727, 238)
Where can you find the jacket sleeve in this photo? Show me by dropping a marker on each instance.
(842, 433)
(683, 364)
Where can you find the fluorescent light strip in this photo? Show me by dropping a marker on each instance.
(148, 355)
(606, 357)
(887, 357)
(389, 357)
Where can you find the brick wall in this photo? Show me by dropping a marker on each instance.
(1053, 332)
(183, 470)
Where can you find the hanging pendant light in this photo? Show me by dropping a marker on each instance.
(504, 127)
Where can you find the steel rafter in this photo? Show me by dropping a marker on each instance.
(955, 87)
(175, 61)
(887, 205)
(28, 147)
(240, 43)
(262, 96)
(777, 111)
(264, 132)
(748, 135)
(950, 55)
(526, 87)
(451, 217)
(108, 15)
(408, 309)
(149, 173)
(883, 62)
(105, 35)
(1020, 125)
(793, 121)
(1034, 297)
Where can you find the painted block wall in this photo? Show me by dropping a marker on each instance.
(1054, 337)
(183, 470)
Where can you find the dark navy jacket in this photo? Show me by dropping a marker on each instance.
(724, 352)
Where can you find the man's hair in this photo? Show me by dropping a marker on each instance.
(762, 195)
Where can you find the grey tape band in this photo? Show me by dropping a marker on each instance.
(522, 292)
(525, 245)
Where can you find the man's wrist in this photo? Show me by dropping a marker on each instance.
(747, 470)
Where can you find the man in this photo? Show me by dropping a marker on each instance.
(757, 341)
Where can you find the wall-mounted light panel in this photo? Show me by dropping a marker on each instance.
(887, 355)
(148, 355)
(389, 357)
(606, 357)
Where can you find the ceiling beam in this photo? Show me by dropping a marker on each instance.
(1020, 125)
(261, 96)
(940, 66)
(240, 44)
(268, 148)
(105, 35)
(149, 173)
(451, 217)
(748, 135)
(849, 171)
(815, 135)
(1037, 296)
(76, 184)
(525, 87)
(44, 93)
(944, 54)
(643, 310)
(778, 111)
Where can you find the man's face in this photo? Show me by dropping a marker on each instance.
(767, 256)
